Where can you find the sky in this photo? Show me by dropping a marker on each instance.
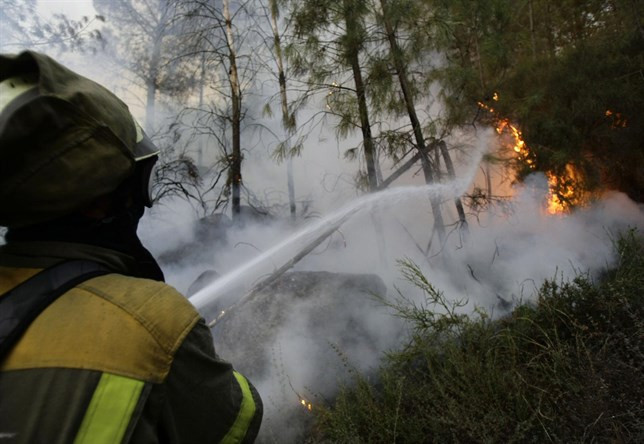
(72, 8)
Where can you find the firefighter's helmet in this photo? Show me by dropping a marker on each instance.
(64, 140)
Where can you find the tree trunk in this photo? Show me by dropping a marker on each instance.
(452, 175)
(354, 61)
(401, 73)
(151, 91)
(488, 181)
(479, 59)
(552, 44)
(399, 172)
(291, 187)
(369, 150)
(532, 31)
(152, 85)
(202, 85)
(284, 102)
(235, 94)
(352, 24)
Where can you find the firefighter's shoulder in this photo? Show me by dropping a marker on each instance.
(120, 324)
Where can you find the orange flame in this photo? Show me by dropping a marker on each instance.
(561, 189)
(519, 146)
(618, 120)
(306, 404)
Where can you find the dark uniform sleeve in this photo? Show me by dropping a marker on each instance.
(206, 401)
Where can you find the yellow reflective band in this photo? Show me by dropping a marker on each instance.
(244, 417)
(12, 87)
(110, 410)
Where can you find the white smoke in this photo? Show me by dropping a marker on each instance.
(503, 262)
(508, 253)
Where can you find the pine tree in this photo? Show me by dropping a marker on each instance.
(331, 38)
(222, 35)
(288, 119)
(567, 73)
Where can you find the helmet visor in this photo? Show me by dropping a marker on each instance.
(144, 147)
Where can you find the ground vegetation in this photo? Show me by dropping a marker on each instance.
(566, 368)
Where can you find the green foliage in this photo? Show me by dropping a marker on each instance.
(558, 68)
(395, 144)
(329, 42)
(288, 149)
(565, 369)
(585, 108)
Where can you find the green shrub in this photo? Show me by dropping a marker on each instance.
(567, 368)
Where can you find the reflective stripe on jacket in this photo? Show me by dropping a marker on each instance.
(120, 359)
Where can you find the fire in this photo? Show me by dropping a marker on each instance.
(556, 204)
(618, 120)
(306, 404)
(503, 125)
(519, 147)
(303, 401)
(561, 189)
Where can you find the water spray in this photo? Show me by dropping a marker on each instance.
(284, 255)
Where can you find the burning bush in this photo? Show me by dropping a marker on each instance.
(583, 110)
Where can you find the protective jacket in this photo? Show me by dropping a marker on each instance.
(116, 359)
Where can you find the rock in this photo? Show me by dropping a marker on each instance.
(299, 339)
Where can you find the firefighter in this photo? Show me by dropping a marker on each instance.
(95, 347)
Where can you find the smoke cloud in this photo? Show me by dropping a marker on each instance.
(508, 252)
